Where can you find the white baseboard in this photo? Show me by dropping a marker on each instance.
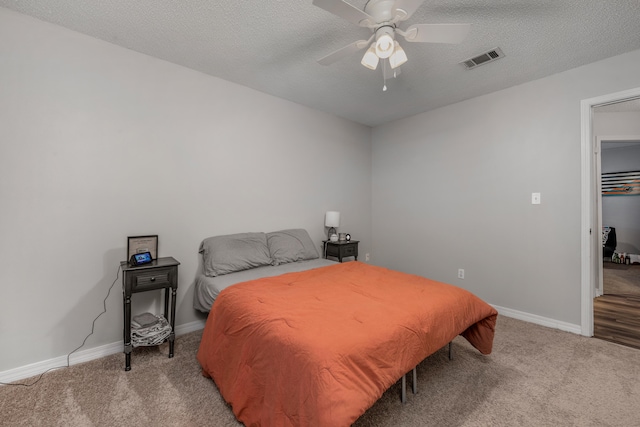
(539, 320)
(81, 356)
(185, 328)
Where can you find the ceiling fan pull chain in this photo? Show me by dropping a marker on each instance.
(384, 73)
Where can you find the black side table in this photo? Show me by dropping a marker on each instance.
(161, 273)
(341, 249)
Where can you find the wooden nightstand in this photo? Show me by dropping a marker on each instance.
(162, 273)
(341, 249)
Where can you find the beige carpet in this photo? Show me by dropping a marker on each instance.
(535, 376)
(620, 279)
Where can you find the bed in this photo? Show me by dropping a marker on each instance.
(318, 347)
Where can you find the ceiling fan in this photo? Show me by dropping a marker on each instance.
(382, 18)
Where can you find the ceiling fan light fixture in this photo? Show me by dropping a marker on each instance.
(384, 42)
(398, 57)
(370, 59)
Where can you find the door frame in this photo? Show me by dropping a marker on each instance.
(590, 217)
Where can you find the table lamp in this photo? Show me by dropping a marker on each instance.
(332, 220)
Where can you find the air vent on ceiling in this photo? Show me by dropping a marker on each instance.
(484, 58)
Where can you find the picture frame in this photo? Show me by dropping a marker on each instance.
(626, 183)
(140, 244)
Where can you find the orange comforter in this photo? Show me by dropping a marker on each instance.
(319, 347)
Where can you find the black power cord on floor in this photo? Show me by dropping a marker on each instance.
(93, 325)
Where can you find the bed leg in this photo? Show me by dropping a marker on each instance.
(403, 392)
(414, 385)
(450, 351)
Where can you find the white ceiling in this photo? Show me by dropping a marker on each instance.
(272, 45)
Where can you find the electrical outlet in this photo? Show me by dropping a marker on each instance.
(367, 257)
(460, 273)
(535, 198)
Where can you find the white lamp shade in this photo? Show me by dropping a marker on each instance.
(398, 58)
(370, 59)
(332, 219)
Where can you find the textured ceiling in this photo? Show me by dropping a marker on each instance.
(272, 45)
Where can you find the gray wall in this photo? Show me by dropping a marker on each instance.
(452, 189)
(99, 143)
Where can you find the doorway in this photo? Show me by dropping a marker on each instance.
(617, 172)
(591, 235)
(616, 307)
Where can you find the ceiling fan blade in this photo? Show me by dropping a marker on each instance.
(437, 33)
(343, 52)
(344, 10)
(407, 7)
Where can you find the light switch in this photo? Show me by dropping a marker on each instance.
(535, 198)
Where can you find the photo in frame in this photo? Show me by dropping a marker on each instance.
(621, 183)
(140, 244)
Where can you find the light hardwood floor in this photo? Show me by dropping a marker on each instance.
(616, 314)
